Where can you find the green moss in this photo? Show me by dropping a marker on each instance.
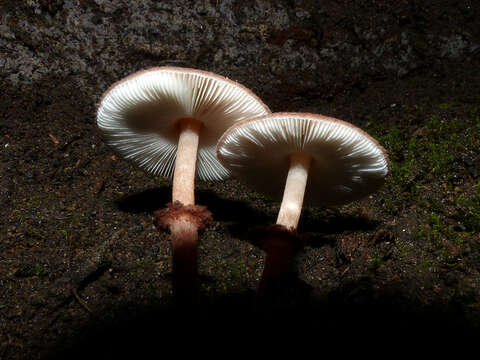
(427, 156)
(468, 212)
(426, 264)
(376, 262)
(39, 270)
(238, 269)
(259, 196)
(162, 182)
(26, 271)
(64, 232)
(436, 230)
(445, 106)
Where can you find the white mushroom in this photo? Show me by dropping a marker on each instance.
(324, 160)
(328, 160)
(168, 120)
(162, 117)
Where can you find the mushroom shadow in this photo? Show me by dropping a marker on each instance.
(317, 241)
(238, 215)
(335, 222)
(145, 201)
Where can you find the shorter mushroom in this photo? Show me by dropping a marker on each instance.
(323, 160)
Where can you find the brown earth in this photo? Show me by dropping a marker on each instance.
(83, 272)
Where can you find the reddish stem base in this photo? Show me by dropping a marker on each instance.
(184, 223)
(186, 280)
(281, 247)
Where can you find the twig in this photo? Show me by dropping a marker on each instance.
(80, 301)
(54, 139)
(345, 271)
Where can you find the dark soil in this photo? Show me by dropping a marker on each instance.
(84, 273)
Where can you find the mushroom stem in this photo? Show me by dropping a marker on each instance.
(185, 163)
(294, 192)
(281, 243)
(184, 223)
(186, 281)
(183, 230)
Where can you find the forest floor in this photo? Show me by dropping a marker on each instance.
(85, 274)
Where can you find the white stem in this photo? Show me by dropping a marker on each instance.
(294, 192)
(186, 161)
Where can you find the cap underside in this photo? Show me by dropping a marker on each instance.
(347, 164)
(139, 116)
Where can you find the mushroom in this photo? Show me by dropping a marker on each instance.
(323, 160)
(168, 121)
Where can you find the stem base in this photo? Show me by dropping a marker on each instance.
(184, 223)
(281, 246)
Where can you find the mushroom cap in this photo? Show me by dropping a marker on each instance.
(347, 164)
(139, 116)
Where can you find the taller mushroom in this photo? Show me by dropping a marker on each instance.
(297, 156)
(168, 120)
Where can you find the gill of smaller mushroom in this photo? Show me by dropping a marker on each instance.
(292, 201)
(185, 164)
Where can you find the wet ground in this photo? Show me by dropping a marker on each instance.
(83, 272)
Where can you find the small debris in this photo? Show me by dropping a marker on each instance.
(345, 271)
(98, 187)
(81, 302)
(383, 236)
(420, 132)
(54, 139)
